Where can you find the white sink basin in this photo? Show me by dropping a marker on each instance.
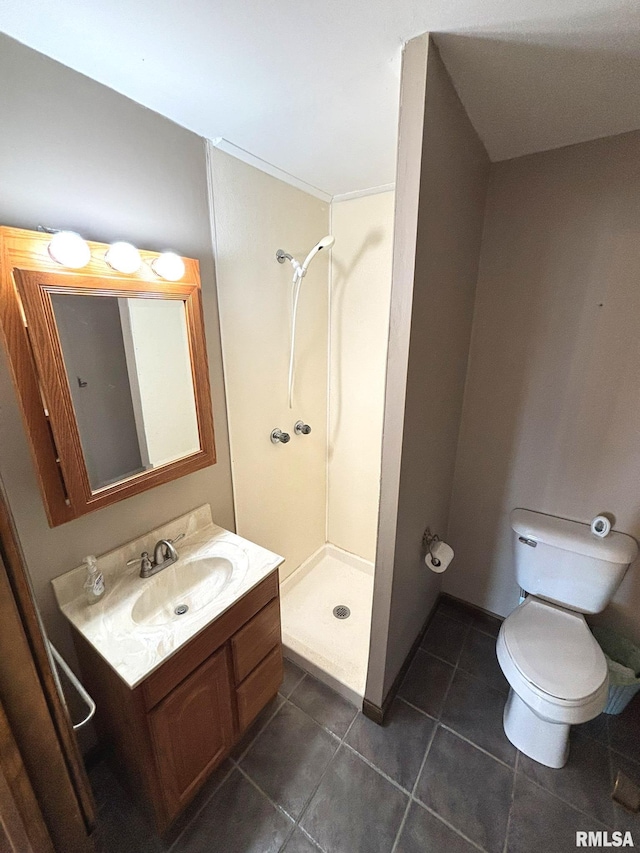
(189, 585)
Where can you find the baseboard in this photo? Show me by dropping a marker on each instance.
(377, 713)
(373, 712)
(466, 605)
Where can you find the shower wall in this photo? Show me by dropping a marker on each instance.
(279, 490)
(360, 296)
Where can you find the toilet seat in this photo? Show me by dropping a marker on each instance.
(554, 652)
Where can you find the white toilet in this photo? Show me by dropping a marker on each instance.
(556, 670)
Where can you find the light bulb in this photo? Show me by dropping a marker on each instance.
(169, 266)
(70, 250)
(123, 257)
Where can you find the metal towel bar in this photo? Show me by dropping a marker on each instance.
(64, 666)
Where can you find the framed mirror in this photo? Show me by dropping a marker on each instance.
(111, 373)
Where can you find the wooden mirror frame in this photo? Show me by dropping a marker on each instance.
(28, 277)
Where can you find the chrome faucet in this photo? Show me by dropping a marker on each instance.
(164, 555)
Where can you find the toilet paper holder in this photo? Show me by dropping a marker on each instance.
(428, 541)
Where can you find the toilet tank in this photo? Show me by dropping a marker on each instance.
(564, 562)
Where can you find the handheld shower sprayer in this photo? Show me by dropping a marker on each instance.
(299, 272)
(326, 243)
(301, 269)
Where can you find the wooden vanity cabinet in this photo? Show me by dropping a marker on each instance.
(172, 730)
(187, 746)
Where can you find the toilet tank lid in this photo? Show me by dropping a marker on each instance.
(574, 536)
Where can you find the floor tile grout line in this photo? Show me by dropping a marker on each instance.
(480, 748)
(453, 731)
(619, 753)
(485, 633)
(513, 794)
(377, 769)
(464, 639)
(413, 788)
(565, 802)
(472, 617)
(451, 615)
(402, 825)
(472, 674)
(446, 692)
(340, 742)
(337, 738)
(462, 645)
(264, 794)
(416, 708)
(306, 834)
(298, 682)
(313, 719)
(437, 657)
(260, 730)
(313, 793)
(416, 799)
(419, 710)
(449, 825)
(482, 681)
(287, 699)
(195, 817)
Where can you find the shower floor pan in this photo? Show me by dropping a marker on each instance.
(334, 648)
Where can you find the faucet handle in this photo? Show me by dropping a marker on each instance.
(277, 435)
(143, 560)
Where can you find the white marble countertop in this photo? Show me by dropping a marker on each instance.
(135, 650)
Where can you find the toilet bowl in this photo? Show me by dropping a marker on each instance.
(557, 674)
(556, 670)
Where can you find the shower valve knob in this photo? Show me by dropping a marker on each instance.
(277, 436)
(300, 428)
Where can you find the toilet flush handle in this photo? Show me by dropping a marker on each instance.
(530, 542)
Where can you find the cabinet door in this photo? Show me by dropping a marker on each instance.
(192, 729)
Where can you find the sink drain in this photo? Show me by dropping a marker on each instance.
(341, 611)
(181, 609)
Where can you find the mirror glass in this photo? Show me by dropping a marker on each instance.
(129, 371)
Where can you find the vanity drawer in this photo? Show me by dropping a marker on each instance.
(197, 650)
(256, 690)
(251, 643)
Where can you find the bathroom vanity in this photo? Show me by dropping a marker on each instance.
(176, 689)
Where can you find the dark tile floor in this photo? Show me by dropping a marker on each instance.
(314, 774)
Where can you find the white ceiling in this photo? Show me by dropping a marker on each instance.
(313, 87)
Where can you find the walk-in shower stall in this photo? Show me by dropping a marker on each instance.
(304, 350)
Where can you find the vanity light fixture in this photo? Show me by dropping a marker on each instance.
(69, 249)
(123, 257)
(168, 266)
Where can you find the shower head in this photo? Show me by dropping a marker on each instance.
(326, 243)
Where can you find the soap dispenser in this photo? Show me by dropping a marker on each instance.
(94, 584)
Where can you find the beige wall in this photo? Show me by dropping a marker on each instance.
(280, 490)
(552, 406)
(440, 196)
(360, 294)
(77, 155)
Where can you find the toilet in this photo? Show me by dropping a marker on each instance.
(556, 671)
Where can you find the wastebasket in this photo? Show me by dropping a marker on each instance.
(623, 660)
